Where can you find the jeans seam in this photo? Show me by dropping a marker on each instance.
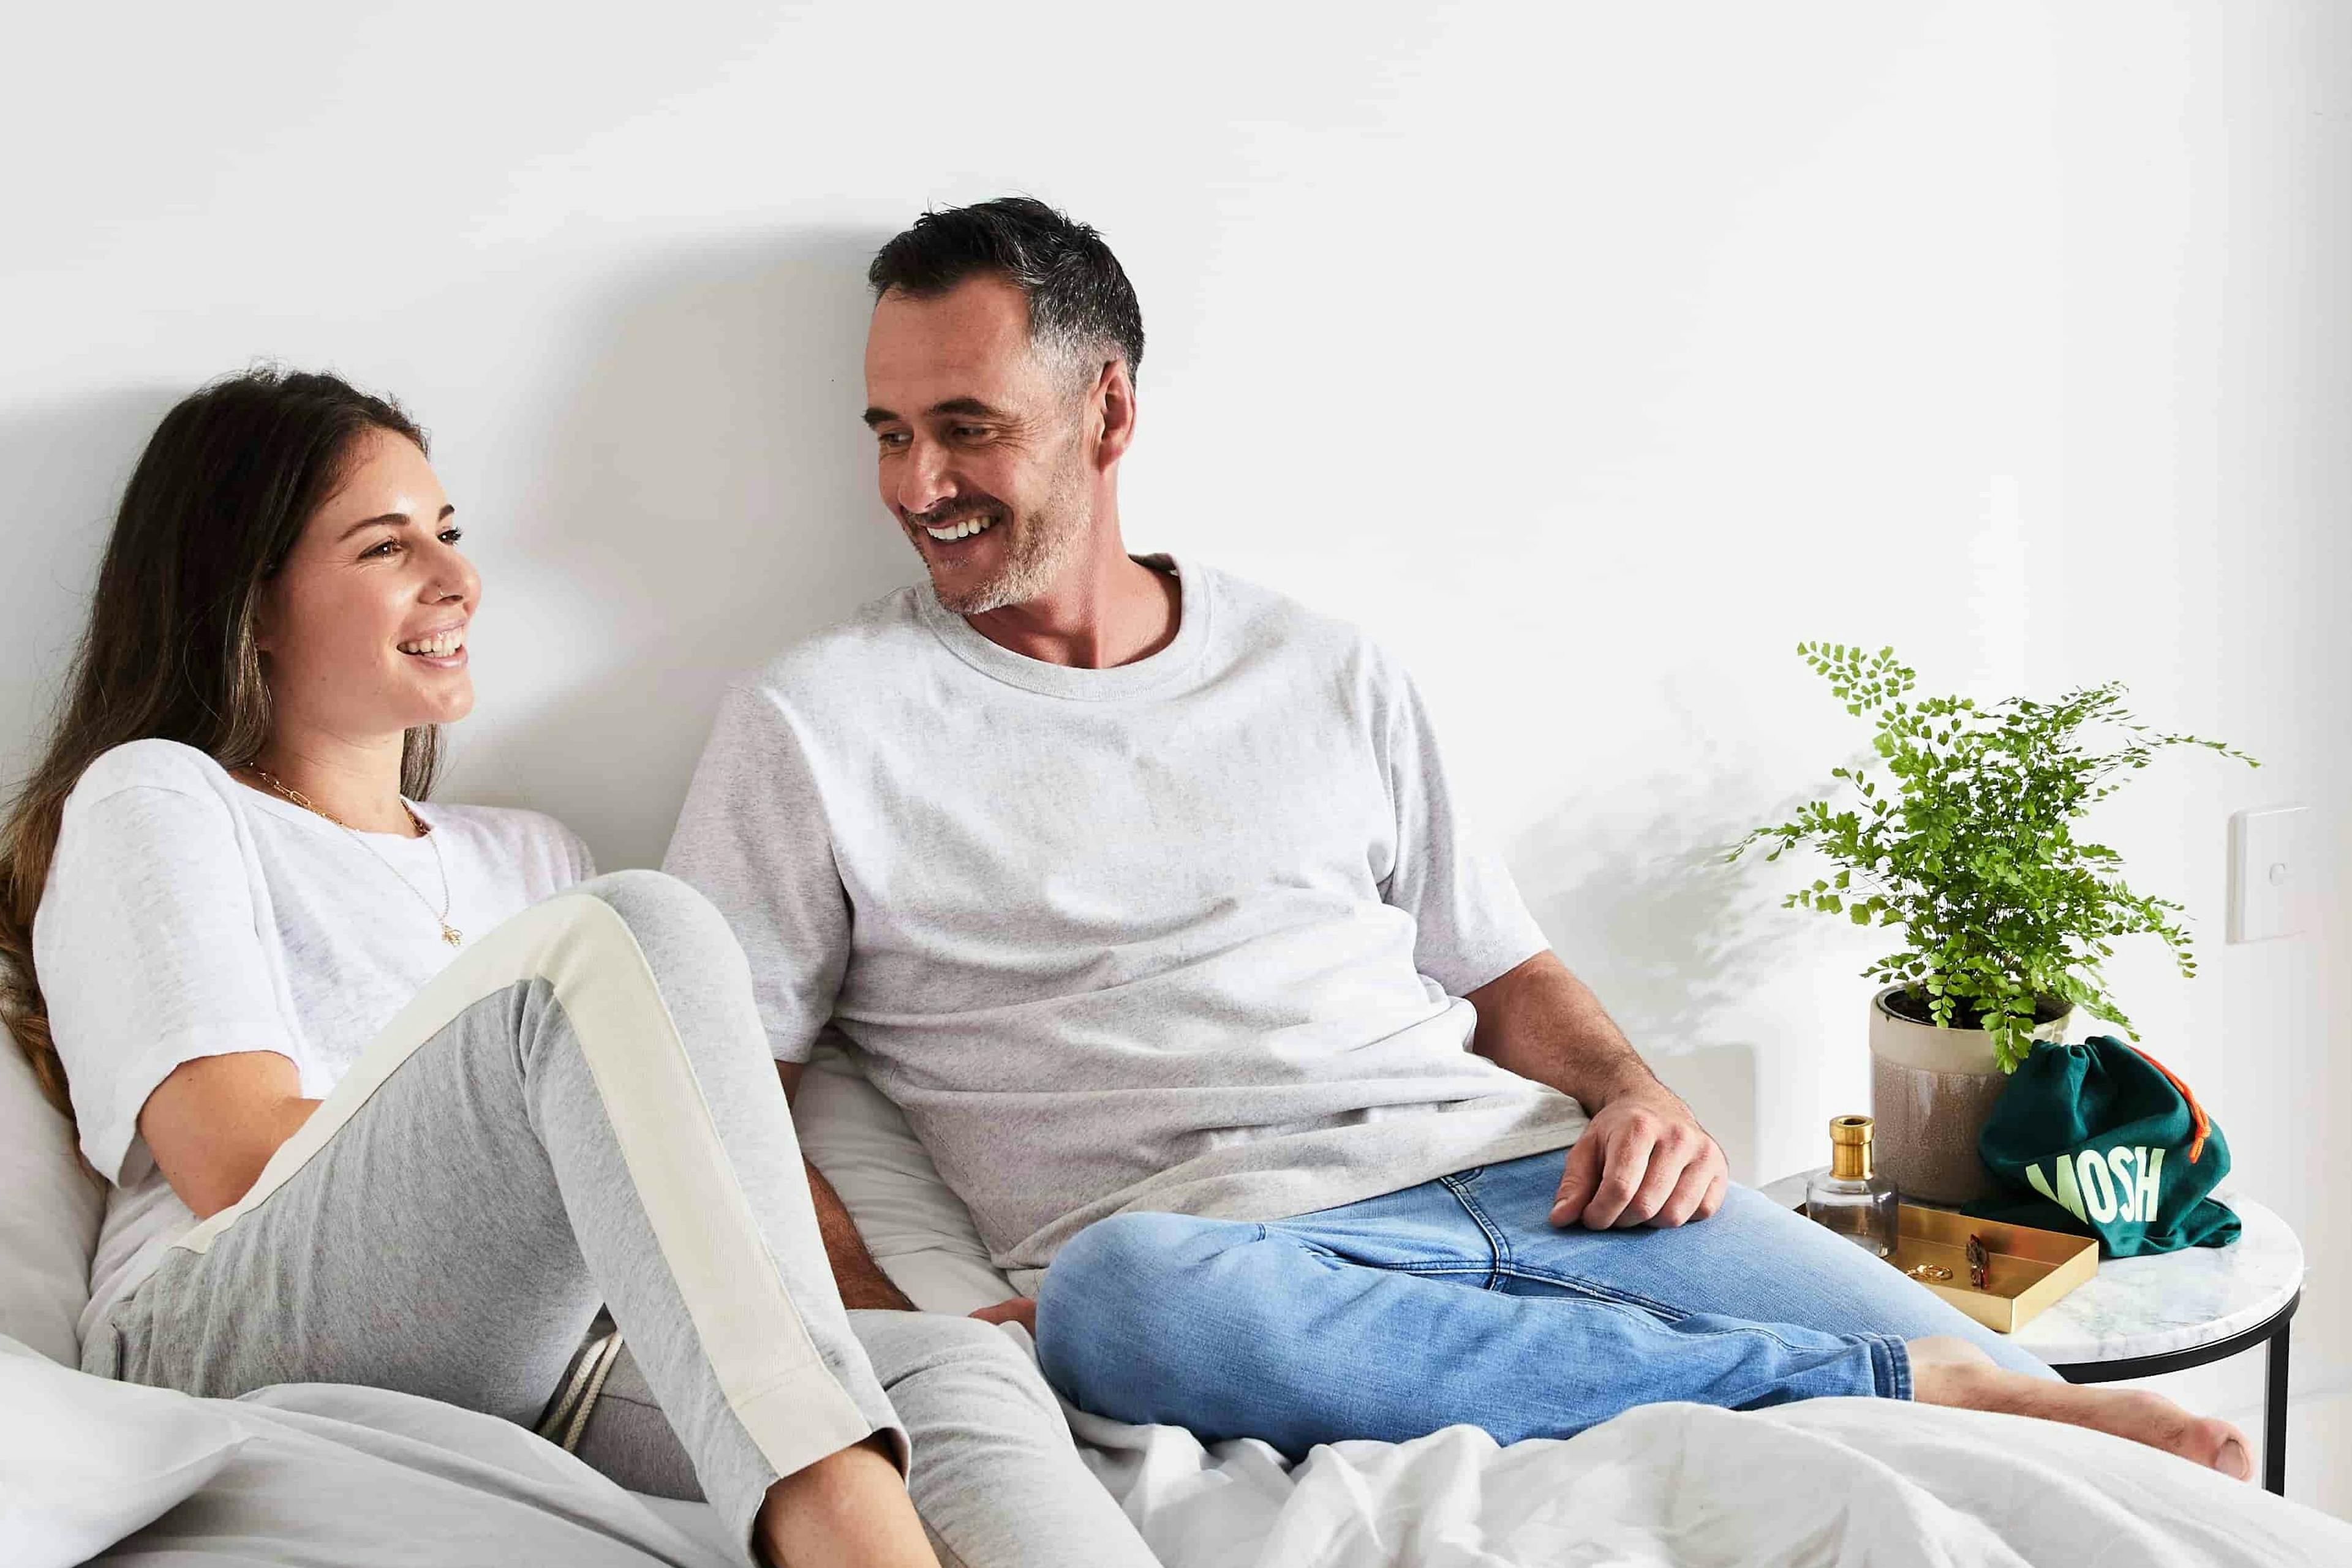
(1602, 1292)
(1496, 1242)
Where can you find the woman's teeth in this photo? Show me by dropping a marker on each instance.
(440, 646)
(963, 530)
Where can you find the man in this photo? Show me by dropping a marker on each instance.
(1142, 892)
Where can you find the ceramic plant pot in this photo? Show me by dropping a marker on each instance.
(1930, 1092)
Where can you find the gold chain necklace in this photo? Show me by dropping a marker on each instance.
(449, 933)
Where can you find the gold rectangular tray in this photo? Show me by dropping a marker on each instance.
(2028, 1268)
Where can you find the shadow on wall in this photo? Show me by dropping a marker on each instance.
(709, 499)
(1675, 942)
(62, 468)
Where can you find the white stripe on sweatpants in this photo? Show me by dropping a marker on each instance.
(759, 1349)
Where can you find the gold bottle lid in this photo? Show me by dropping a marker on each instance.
(1850, 1148)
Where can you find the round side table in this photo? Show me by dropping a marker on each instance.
(2142, 1317)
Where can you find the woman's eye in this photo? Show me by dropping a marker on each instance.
(387, 546)
(451, 535)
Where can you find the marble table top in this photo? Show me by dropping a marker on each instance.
(2157, 1305)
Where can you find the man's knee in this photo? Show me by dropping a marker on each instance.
(1124, 1264)
(1112, 1317)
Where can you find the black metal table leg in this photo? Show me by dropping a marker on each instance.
(2275, 1412)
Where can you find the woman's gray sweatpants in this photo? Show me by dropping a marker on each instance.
(581, 1109)
(996, 1478)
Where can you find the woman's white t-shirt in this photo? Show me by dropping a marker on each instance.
(189, 915)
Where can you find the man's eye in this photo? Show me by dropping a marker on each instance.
(892, 437)
(968, 432)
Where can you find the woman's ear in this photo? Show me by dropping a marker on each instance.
(265, 616)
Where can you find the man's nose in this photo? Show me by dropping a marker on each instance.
(923, 477)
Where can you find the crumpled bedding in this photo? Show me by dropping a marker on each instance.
(1829, 1481)
(331, 1474)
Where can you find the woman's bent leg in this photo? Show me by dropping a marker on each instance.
(581, 1107)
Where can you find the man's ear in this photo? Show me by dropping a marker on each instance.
(1114, 403)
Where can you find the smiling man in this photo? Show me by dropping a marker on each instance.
(1143, 891)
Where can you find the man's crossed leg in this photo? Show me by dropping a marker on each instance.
(1456, 1300)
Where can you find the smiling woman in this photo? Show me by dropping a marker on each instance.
(345, 1060)
(362, 623)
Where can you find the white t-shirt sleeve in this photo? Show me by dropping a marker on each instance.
(576, 863)
(149, 954)
(753, 838)
(1471, 924)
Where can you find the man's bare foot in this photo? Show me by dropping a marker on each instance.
(1951, 1371)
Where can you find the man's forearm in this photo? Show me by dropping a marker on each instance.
(859, 1278)
(1542, 1023)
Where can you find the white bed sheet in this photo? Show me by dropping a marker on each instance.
(326, 1474)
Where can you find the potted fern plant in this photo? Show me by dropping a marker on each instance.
(1963, 838)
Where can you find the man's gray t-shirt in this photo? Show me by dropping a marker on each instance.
(1186, 935)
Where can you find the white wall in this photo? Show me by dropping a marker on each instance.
(1590, 354)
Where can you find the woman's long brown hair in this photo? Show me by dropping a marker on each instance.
(218, 499)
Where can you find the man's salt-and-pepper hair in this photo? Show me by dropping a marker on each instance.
(1082, 308)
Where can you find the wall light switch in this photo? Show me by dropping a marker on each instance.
(2268, 866)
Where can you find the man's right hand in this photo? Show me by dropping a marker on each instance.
(1021, 1309)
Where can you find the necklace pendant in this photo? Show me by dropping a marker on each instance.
(451, 935)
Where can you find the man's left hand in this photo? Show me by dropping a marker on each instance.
(1644, 1161)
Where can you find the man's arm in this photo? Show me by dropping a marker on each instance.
(856, 1275)
(1645, 1160)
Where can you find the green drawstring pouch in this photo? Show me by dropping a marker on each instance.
(2101, 1140)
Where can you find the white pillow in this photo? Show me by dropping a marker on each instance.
(49, 1210)
(84, 1460)
(917, 1229)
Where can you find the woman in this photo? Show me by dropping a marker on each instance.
(393, 1093)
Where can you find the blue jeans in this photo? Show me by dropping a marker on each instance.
(1456, 1301)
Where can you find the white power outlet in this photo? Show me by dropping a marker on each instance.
(2267, 869)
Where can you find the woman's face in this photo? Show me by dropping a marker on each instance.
(364, 626)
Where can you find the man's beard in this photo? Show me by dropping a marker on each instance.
(1039, 546)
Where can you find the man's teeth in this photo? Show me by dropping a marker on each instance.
(963, 530)
(439, 647)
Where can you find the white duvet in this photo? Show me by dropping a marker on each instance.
(325, 1474)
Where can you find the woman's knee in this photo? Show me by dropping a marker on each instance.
(673, 923)
(655, 903)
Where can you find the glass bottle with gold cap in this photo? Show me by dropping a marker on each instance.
(1851, 1197)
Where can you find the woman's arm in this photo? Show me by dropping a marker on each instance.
(215, 1121)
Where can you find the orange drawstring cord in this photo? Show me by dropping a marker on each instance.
(2199, 1121)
